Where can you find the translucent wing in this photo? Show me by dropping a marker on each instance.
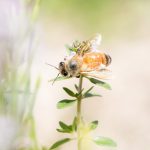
(95, 42)
(103, 74)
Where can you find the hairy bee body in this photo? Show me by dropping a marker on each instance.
(92, 61)
(86, 58)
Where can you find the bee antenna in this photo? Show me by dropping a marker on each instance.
(56, 78)
(52, 66)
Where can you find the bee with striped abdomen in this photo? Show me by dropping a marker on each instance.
(86, 60)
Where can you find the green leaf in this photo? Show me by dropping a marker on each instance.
(100, 83)
(104, 141)
(74, 124)
(59, 143)
(69, 92)
(93, 125)
(70, 49)
(65, 126)
(91, 95)
(87, 94)
(63, 131)
(77, 88)
(89, 90)
(79, 94)
(59, 78)
(65, 103)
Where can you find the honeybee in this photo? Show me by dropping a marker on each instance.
(85, 59)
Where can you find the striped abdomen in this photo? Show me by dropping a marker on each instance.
(93, 60)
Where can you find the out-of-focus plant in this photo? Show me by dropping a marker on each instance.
(84, 62)
(17, 91)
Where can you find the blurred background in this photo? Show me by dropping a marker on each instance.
(35, 32)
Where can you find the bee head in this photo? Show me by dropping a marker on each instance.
(62, 69)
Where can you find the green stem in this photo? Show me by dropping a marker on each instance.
(79, 112)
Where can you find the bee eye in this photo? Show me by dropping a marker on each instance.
(65, 73)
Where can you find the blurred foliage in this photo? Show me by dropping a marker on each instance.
(85, 14)
(17, 91)
(111, 18)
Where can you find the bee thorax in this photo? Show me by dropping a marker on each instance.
(73, 67)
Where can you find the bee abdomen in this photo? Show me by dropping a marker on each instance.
(108, 59)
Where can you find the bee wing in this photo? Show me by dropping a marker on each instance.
(103, 74)
(95, 42)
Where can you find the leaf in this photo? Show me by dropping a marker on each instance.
(93, 125)
(65, 126)
(79, 94)
(77, 88)
(65, 103)
(89, 90)
(87, 94)
(74, 124)
(68, 128)
(59, 79)
(69, 92)
(104, 141)
(100, 83)
(91, 95)
(59, 143)
(63, 131)
(70, 49)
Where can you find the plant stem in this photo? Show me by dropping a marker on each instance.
(79, 112)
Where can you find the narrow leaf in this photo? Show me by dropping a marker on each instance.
(89, 90)
(91, 95)
(63, 131)
(65, 126)
(69, 92)
(59, 143)
(93, 125)
(65, 103)
(74, 124)
(77, 88)
(79, 94)
(104, 141)
(100, 83)
(70, 49)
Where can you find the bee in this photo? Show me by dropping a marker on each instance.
(85, 60)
